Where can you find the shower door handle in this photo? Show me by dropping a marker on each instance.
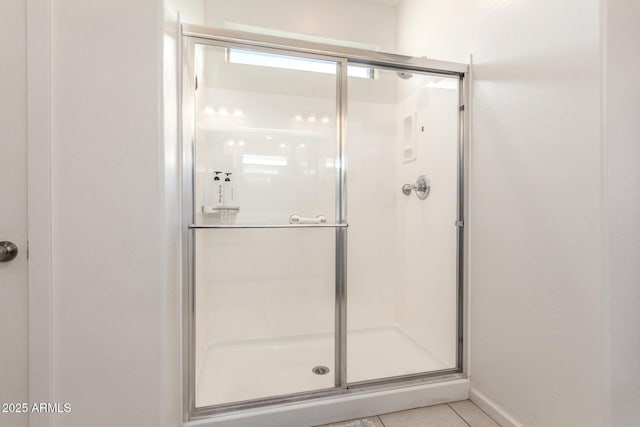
(299, 219)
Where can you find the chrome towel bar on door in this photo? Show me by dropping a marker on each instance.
(299, 219)
(324, 225)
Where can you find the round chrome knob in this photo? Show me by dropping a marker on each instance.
(422, 187)
(8, 251)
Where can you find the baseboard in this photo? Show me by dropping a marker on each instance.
(495, 411)
(346, 407)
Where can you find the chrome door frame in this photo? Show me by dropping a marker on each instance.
(190, 35)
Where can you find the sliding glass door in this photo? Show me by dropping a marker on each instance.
(266, 207)
(403, 204)
(279, 306)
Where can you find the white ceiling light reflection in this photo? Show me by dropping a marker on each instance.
(298, 118)
(241, 142)
(311, 118)
(283, 145)
(223, 111)
(238, 112)
(260, 170)
(209, 109)
(325, 120)
(268, 137)
(231, 143)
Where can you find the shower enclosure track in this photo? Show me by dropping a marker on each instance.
(192, 35)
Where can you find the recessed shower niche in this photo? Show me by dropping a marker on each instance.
(309, 271)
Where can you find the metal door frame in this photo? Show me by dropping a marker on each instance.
(192, 35)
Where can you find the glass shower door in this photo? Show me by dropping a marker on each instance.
(266, 164)
(403, 276)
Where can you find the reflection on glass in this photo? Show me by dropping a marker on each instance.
(268, 120)
(264, 298)
(264, 312)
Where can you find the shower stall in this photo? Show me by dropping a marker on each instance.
(323, 212)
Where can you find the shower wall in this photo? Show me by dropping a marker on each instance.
(425, 235)
(370, 203)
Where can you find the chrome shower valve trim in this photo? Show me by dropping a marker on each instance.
(422, 187)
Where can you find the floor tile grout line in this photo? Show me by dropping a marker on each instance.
(482, 410)
(379, 417)
(456, 412)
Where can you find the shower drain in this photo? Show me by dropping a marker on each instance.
(320, 370)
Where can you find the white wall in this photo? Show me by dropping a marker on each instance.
(535, 255)
(172, 220)
(191, 11)
(622, 136)
(109, 289)
(340, 20)
(14, 356)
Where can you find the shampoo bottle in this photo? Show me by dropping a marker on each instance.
(218, 190)
(229, 199)
(212, 193)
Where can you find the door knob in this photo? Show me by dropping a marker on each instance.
(8, 251)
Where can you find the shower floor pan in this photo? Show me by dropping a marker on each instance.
(284, 365)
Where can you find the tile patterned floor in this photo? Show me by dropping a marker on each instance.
(456, 414)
